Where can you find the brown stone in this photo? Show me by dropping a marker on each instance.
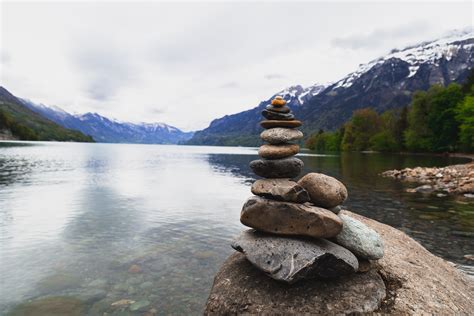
(278, 151)
(275, 123)
(281, 190)
(278, 102)
(416, 282)
(324, 191)
(286, 218)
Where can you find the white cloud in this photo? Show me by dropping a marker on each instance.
(188, 63)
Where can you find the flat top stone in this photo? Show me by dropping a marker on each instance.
(278, 151)
(275, 123)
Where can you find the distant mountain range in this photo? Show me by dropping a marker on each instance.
(19, 122)
(106, 130)
(385, 83)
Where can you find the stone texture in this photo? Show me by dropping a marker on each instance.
(275, 123)
(269, 115)
(240, 288)
(50, 306)
(277, 168)
(336, 209)
(362, 240)
(290, 259)
(280, 190)
(283, 109)
(286, 218)
(280, 135)
(417, 282)
(324, 191)
(278, 151)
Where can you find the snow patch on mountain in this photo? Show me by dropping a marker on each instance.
(426, 52)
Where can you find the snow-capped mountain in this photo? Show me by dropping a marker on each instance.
(384, 83)
(107, 130)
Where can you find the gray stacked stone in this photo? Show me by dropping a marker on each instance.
(296, 230)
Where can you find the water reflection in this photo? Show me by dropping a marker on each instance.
(102, 222)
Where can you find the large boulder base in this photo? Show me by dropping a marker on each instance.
(407, 280)
(290, 259)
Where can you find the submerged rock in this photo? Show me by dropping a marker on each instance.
(288, 218)
(50, 306)
(290, 259)
(280, 135)
(362, 240)
(281, 190)
(277, 168)
(324, 191)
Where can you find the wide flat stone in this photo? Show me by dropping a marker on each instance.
(290, 259)
(324, 191)
(288, 218)
(278, 151)
(280, 135)
(276, 123)
(283, 109)
(362, 240)
(277, 168)
(269, 115)
(280, 189)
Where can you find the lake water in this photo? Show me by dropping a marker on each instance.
(152, 223)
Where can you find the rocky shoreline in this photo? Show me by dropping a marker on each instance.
(449, 180)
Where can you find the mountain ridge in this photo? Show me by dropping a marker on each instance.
(384, 83)
(108, 130)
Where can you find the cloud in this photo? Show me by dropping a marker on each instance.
(229, 85)
(103, 69)
(380, 37)
(273, 76)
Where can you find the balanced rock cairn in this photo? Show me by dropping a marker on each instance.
(297, 232)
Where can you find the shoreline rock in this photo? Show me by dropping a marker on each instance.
(455, 179)
(407, 280)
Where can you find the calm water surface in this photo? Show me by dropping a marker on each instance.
(78, 220)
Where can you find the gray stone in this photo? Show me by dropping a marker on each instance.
(270, 115)
(290, 259)
(324, 191)
(281, 109)
(288, 218)
(277, 168)
(139, 306)
(336, 209)
(362, 240)
(280, 135)
(281, 190)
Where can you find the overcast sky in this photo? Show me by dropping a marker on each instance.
(187, 63)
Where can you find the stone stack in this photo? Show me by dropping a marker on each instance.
(297, 233)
